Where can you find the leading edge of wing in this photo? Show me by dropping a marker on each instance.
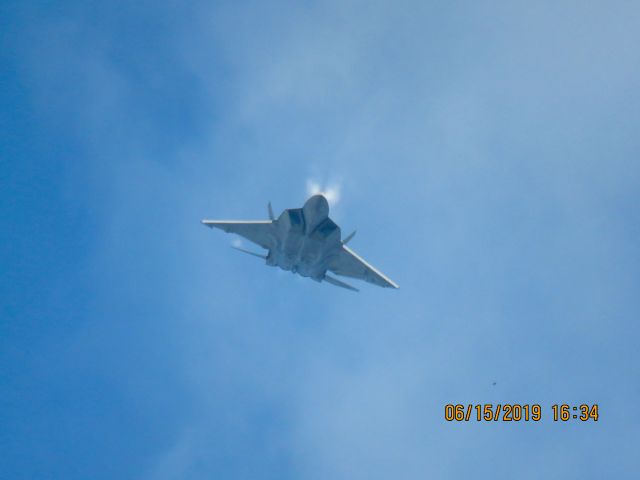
(371, 267)
(223, 223)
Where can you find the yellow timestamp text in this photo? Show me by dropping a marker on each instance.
(515, 412)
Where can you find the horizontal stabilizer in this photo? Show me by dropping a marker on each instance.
(250, 253)
(338, 283)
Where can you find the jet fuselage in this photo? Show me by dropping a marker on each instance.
(305, 239)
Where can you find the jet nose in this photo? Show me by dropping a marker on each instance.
(317, 204)
(318, 201)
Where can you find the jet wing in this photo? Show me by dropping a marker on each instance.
(349, 264)
(261, 232)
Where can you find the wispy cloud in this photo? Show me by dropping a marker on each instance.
(231, 370)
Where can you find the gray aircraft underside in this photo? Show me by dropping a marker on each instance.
(307, 242)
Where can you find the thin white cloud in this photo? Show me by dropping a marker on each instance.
(356, 379)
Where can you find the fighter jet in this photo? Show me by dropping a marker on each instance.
(307, 242)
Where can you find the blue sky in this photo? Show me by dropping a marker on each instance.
(487, 155)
